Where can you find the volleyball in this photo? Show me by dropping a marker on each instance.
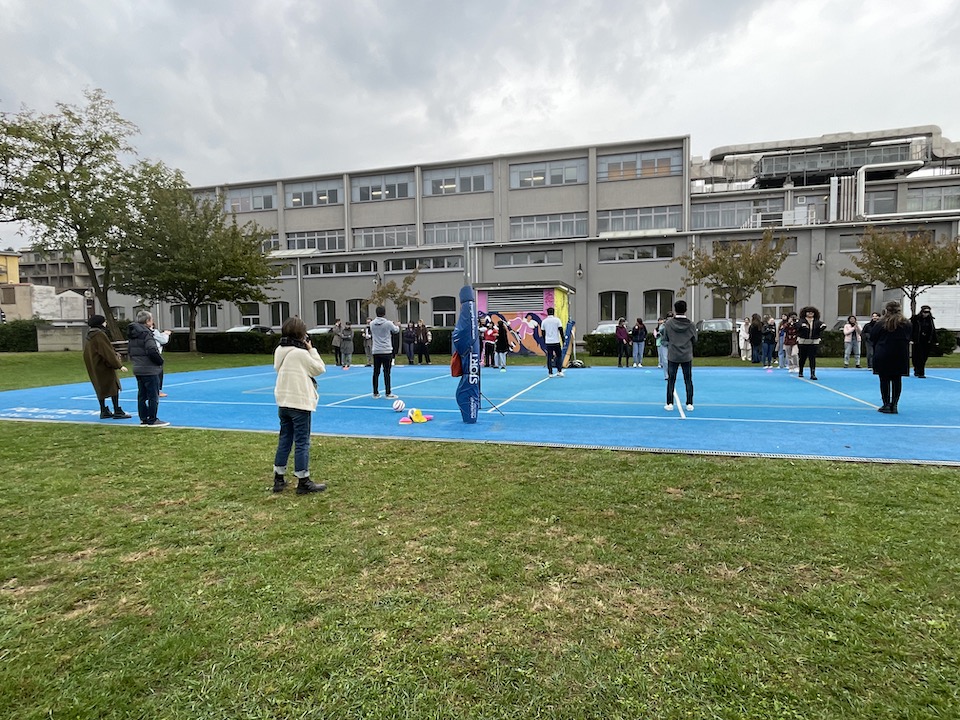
(398, 405)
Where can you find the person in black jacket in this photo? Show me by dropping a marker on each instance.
(891, 354)
(809, 334)
(924, 336)
(147, 366)
(867, 337)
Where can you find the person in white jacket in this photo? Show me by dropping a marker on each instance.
(297, 363)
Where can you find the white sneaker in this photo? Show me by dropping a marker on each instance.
(503, 369)
(668, 407)
(560, 374)
(634, 364)
(689, 407)
(391, 396)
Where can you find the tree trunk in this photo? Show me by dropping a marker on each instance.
(193, 328)
(101, 292)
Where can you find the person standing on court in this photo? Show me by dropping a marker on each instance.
(382, 331)
(502, 346)
(662, 343)
(851, 341)
(337, 341)
(297, 363)
(789, 329)
(623, 342)
(638, 336)
(162, 339)
(102, 363)
(552, 331)
(891, 354)
(924, 340)
(809, 334)
(367, 342)
(424, 338)
(680, 335)
(147, 366)
(867, 339)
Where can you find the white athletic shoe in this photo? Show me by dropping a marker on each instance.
(689, 407)
(560, 374)
(668, 407)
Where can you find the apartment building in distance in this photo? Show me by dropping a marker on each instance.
(600, 223)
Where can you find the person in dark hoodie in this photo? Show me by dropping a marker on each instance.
(147, 366)
(924, 340)
(680, 335)
(102, 363)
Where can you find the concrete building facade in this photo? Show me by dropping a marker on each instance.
(604, 221)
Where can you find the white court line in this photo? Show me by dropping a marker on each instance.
(516, 395)
(676, 400)
(394, 388)
(841, 394)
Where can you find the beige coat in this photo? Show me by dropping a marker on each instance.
(296, 369)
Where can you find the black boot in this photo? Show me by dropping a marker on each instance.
(105, 414)
(893, 409)
(279, 483)
(119, 414)
(885, 409)
(306, 485)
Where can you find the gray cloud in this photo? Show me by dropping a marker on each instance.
(256, 89)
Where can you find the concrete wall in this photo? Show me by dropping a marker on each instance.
(51, 338)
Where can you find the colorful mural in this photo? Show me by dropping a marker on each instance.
(524, 326)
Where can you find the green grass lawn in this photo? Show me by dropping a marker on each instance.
(153, 575)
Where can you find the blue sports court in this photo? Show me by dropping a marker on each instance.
(743, 411)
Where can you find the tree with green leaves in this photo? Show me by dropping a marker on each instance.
(735, 271)
(907, 261)
(180, 250)
(64, 176)
(400, 295)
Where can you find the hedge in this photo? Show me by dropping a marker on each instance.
(19, 336)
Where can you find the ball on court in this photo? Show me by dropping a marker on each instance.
(398, 405)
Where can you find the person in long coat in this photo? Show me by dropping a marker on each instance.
(891, 354)
(102, 363)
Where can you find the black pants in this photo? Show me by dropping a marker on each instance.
(554, 358)
(890, 387)
(808, 352)
(687, 368)
(336, 355)
(423, 349)
(624, 350)
(920, 354)
(385, 362)
(488, 350)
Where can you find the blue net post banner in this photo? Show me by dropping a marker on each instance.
(466, 341)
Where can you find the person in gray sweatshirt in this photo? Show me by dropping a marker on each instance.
(680, 335)
(382, 331)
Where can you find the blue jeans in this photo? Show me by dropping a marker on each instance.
(638, 352)
(294, 430)
(148, 397)
(767, 349)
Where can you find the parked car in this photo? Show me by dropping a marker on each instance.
(319, 330)
(262, 329)
(605, 328)
(716, 325)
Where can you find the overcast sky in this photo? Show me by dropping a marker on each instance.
(241, 90)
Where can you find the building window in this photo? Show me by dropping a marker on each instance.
(325, 312)
(409, 312)
(789, 242)
(527, 259)
(854, 300)
(735, 214)
(324, 240)
(444, 311)
(279, 312)
(355, 267)
(651, 251)
(648, 164)
(382, 187)
(613, 305)
(650, 218)
(466, 232)
(553, 172)
(656, 303)
(409, 264)
(251, 199)
(180, 316)
(119, 312)
(384, 237)
(541, 227)
(272, 243)
(355, 311)
(723, 309)
(287, 270)
(249, 313)
(933, 198)
(880, 202)
(207, 315)
(450, 181)
(778, 300)
(308, 194)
